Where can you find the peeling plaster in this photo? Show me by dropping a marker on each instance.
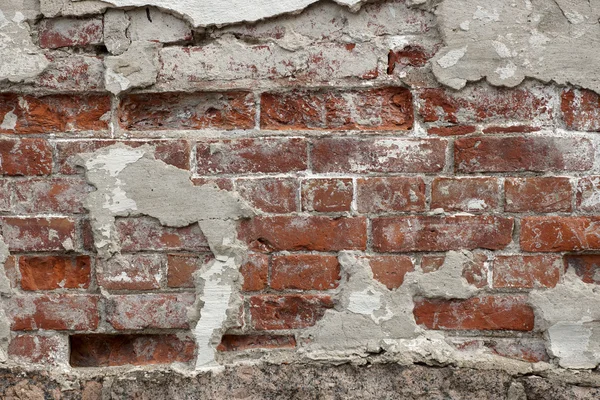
(506, 42)
(20, 59)
(130, 182)
(136, 67)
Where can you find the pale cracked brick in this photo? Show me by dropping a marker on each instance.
(231, 59)
(152, 25)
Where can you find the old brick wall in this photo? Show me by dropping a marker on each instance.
(331, 126)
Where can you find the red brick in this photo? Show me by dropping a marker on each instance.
(474, 271)
(581, 110)
(525, 272)
(553, 234)
(130, 272)
(181, 268)
(54, 272)
(511, 129)
(586, 266)
(327, 195)
(390, 269)
(270, 312)
(378, 155)
(588, 198)
(310, 233)
(172, 152)
(372, 109)
(305, 272)
(539, 194)
(25, 157)
(37, 349)
(484, 104)
(465, 194)
(412, 55)
(149, 311)
(271, 195)
(140, 234)
(54, 113)
(375, 195)
(72, 73)
(38, 234)
(255, 272)
(53, 312)
(114, 350)
(452, 130)
(433, 233)
(481, 313)
(51, 195)
(66, 32)
(202, 110)
(266, 155)
(512, 154)
(249, 342)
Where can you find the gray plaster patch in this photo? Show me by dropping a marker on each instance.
(570, 316)
(130, 182)
(5, 291)
(20, 59)
(116, 24)
(507, 41)
(136, 67)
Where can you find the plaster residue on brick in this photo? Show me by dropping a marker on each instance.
(5, 291)
(130, 182)
(506, 42)
(369, 317)
(570, 316)
(20, 59)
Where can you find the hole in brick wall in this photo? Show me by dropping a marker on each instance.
(114, 350)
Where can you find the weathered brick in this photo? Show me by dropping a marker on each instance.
(54, 272)
(25, 157)
(588, 194)
(272, 195)
(581, 110)
(265, 155)
(529, 350)
(25, 114)
(181, 267)
(249, 342)
(313, 233)
(586, 266)
(255, 272)
(53, 311)
(37, 348)
(480, 313)
(149, 311)
(130, 272)
(433, 233)
(465, 194)
(412, 55)
(6, 189)
(390, 269)
(114, 350)
(373, 109)
(173, 152)
(475, 271)
(140, 234)
(378, 155)
(67, 32)
(529, 271)
(237, 60)
(202, 110)
(270, 312)
(327, 195)
(512, 154)
(74, 73)
(389, 194)
(553, 234)
(51, 195)
(538, 194)
(305, 272)
(485, 104)
(38, 234)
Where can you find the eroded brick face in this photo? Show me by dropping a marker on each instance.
(365, 178)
